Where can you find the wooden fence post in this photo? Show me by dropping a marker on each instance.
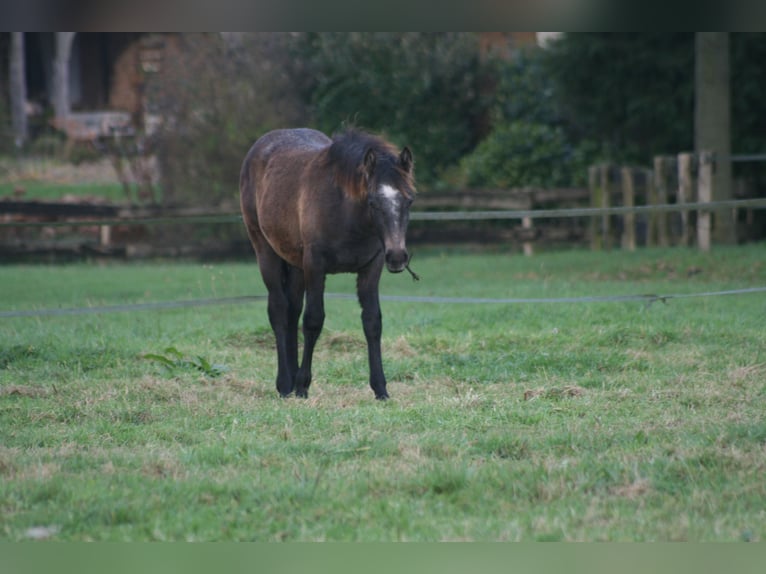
(527, 245)
(628, 200)
(660, 197)
(606, 201)
(596, 192)
(704, 195)
(685, 193)
(650, 198)
(105, 235)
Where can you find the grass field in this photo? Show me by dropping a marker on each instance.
(598, 421)
(44, 191)
(48, 179)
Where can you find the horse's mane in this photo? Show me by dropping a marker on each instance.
(345, 157)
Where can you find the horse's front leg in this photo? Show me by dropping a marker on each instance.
(313, 321)
(372, 323)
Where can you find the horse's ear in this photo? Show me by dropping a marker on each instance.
(369, 163)
(405, 159)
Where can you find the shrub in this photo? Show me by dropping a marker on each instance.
(216, 97)
(519, 154)
(425, 90)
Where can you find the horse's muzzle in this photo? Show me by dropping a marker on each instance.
(396, 260)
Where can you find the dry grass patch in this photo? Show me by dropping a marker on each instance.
(554, 392)
(399, 347)
(747, 374)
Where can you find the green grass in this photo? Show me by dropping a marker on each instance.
(45, 178)
(602, 421)
(52, 191)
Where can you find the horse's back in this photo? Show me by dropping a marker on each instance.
(289, 140)
(269, 186)
(284, 151)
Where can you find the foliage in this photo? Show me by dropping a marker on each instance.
(602, 421)
(748, 114)
(174, 361)
(632, 91)
(528, 145)
(622, 97)
(422, 89)
(216, 98)
(524, 90)
(748, 78)
(522, 154)
(635, 91)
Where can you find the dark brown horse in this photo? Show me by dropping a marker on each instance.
(312, 206)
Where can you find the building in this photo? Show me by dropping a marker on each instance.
(93, 78)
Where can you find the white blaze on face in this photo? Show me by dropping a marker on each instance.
(391, 201)
(391, 194)
(392, 204)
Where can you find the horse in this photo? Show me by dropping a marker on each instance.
(313, 206)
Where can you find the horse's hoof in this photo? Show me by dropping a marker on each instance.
(304, 394)
(382, 396)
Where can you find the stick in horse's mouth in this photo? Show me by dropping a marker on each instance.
(415, 276)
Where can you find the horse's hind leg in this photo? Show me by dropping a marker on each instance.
(294, 290)
(313, 320)
(282, 316)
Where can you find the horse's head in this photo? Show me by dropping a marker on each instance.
(390, 192)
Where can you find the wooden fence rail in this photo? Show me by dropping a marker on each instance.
(624, 206)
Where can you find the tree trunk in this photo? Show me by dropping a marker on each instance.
(712, 121)
(18, 89)
(61, 104)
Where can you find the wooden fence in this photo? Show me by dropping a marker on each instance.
(633, 206)
(683, 179)
(75, 229)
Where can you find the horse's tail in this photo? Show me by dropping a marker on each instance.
(247, 193)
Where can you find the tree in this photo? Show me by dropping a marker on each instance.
(18, 89)
(633, 92)
(61, 102)
(528, 144)
(421, 89)
(712, 120)
(216, 96)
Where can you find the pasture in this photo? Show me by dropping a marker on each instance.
(589, 421)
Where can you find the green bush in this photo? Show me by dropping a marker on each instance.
(529, 144)
(521, 154)
(525, 90)
(632, 91)
(426, 90)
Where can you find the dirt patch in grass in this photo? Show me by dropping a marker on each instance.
(261, 338)
(342, 342)
(23, 391)
(634, 490)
